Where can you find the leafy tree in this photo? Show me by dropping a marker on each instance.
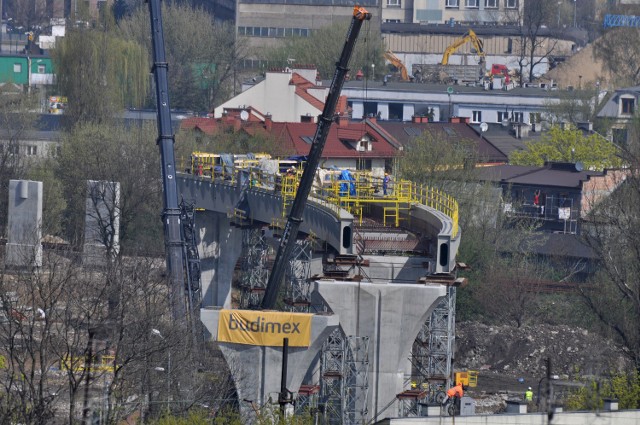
(323, 48)
(623, 387)
(203, 55)
(114, 153)
(15, 120)
(100, 72)
(594, 151)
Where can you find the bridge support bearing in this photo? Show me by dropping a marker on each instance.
(256, 370)
(391, 315)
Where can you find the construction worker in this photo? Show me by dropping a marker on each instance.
(454, 394)
(385, 183)
(528, 395)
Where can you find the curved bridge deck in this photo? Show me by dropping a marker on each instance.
(336, 209)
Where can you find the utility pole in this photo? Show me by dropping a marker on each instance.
(575, 9)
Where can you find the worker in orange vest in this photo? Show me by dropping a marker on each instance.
(454, 394)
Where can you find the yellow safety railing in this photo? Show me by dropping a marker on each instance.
(335, 194)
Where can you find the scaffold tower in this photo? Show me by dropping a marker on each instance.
(356, 380)
(254, 266)
(433, 348)
(297, 297)
(332, 364)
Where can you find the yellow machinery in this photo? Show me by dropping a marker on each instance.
(388, 55)
(467, 379)
(469, 36)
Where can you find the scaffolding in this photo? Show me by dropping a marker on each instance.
(409, 402)
(332, 364)
(356, 380)
(297, 297)
(254, 267)
(307, 400)
(433, 348)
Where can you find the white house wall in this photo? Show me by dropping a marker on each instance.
(269, 96)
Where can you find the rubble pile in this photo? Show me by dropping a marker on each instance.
(521, 352)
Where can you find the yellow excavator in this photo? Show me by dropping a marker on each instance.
(388, 55)
(468, 36)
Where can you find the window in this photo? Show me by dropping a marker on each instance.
(17, 67)
(392, 21)
(363, 145)
(363, 164)
(511, 4)
(628, 106)
(452, 3)
(518, 117)
(42, 69)
(32, 150)
(471, 4)
(393, 3)
(535, 117)
(503, 116)
(477, 116)
(491, 4)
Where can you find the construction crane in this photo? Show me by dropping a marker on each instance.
(395, 61)
(290, 232)
(468, 36)
(183, 293)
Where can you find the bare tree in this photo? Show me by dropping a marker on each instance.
(535, 43)
(612, 232)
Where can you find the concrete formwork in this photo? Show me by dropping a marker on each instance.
(24, 230)
(391, 315)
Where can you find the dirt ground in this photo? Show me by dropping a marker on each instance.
(510, 359)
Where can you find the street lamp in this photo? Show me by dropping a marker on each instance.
(575, 8)
(156, 332)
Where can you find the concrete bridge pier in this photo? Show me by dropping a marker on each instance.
(257, 369)
(391, 315)
(219, 246)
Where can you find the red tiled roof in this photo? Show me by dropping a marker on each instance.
(205, 125)
(294, 135)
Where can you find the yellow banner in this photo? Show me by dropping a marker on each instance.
(264, 328)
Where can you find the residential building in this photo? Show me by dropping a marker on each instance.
(452, 11)
(620, 109)
(559, 195)
(401, 101)
(296, 88)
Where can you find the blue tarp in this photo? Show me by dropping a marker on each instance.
(346, 176)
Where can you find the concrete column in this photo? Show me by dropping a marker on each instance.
(391, 315)
(102, 222)
(24, 231)
(219, 246)
(257, 370)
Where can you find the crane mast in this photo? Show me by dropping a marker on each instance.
(171, 210)
(292, 226)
